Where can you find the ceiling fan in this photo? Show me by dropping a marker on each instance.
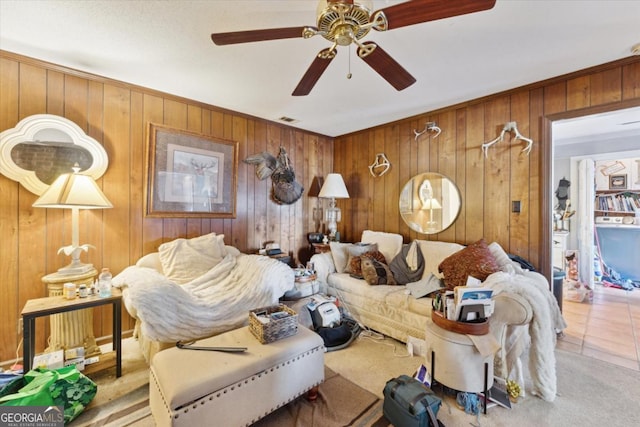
(343, 22)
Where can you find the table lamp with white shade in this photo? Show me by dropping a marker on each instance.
(333, 188)
(74, 191)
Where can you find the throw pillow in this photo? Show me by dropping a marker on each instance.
(355, 251)
(340, 255)
(355, 262)
(388, 243)
(376, 272)
(475, 260)
(186, 259)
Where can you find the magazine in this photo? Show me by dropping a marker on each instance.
(498, 395)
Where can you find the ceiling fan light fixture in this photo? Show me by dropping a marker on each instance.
(343, 21)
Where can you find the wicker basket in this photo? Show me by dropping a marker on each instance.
(276, 328)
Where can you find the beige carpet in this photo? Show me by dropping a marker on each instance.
(591, 392)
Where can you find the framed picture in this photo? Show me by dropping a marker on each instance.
(617, 182)
(189, 174)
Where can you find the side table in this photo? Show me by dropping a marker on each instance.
(455, 361)
(73, 329)
(47, 306)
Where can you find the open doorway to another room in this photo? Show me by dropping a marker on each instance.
(588, 153)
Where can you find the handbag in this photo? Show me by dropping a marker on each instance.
(65, 387)
(409, 403)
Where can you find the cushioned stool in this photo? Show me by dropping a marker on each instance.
(192, 387)
(456, 362)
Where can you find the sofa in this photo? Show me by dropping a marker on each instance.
(195, 288)
(525, 310)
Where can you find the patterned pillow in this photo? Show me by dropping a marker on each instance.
(355, 262)
(475, 260)
(376, 272)
(355, 251)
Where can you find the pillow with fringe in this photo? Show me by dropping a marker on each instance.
(376, 272)
(355, 262)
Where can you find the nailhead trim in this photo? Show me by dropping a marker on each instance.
(231, 387)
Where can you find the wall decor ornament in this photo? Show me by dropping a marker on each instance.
(509, 127)
(42, 147)
(428, 127)
(618, 182)
(285, 189)
(189, 174)
(380, 165)
(429, 203)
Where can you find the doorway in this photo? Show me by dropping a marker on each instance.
(605, 328)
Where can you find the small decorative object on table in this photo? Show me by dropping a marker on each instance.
(272, 323)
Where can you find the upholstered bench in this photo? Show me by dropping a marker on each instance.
(193, 387)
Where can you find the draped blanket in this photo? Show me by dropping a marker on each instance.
(545, 323)
(217, 301)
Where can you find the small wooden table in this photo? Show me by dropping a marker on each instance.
(39, 307)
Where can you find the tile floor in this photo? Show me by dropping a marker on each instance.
(608, 328)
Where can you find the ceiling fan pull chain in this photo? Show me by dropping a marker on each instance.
(349, 66)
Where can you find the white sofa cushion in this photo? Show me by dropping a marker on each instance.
(185, 259)
(340, 255)
(151, 260)
(433, 253)
(388, 243)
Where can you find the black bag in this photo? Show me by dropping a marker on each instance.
(409, 403)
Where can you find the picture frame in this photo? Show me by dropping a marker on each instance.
(189, 175)
(618, 182)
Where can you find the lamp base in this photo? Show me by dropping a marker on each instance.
(75, 268)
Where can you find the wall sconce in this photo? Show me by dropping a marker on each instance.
(333, 188)
(74, 191)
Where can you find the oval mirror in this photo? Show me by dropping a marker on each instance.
(429, 203)
(43, 146)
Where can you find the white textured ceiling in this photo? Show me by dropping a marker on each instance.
(166, 45)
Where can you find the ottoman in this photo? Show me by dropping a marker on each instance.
(194, 387)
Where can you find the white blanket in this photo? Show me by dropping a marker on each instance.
(213, 303)
(546, 322)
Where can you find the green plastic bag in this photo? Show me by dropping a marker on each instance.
(66, 387)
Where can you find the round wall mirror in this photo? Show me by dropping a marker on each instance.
(429, 203)
(43, 146)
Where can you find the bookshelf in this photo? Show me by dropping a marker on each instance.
(616, 202)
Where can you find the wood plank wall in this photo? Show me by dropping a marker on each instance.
(116, 115)
(487, 185)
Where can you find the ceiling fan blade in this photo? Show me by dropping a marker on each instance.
(315, 70)
(235, 37)
(419, 11)
(385, 65)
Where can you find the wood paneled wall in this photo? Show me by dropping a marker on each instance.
(487, 185)
(116, 115)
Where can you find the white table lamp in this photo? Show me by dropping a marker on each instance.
(74, 191)
(430, 205)
(333, 188)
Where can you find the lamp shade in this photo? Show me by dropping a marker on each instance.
(431, 204)
(334, 187)
(73, 190)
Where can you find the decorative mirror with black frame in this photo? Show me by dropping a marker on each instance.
(429, 203)
(43, 146)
